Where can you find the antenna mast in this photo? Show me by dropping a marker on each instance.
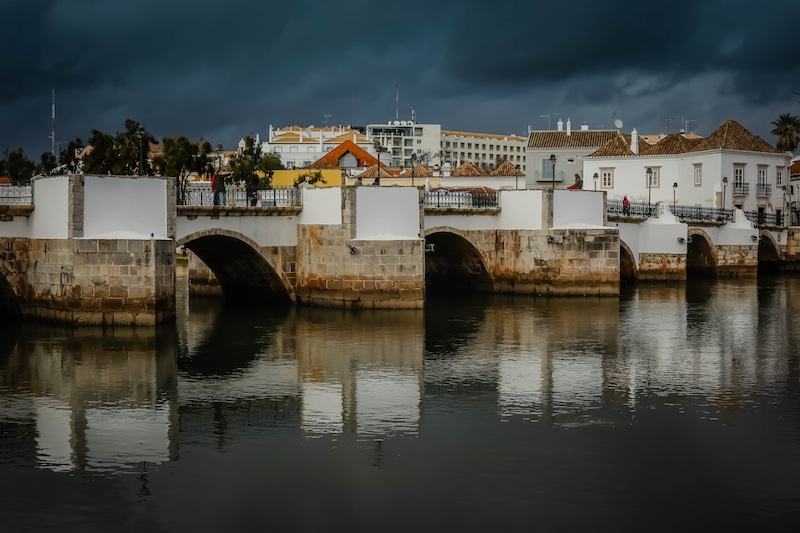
(396, 102)
(53, 125)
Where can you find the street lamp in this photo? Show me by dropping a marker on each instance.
(378, 148)
(516, 177)
(649, 190)
(413, 162)
(553, 163)
(724, 184)
(595, 180)
(674, 190)
(785, 207)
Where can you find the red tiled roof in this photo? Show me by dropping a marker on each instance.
(733, 136)
(795, 168)
(331, 159)
(482, 135)
(672, 144)
(576, 139)
(466, 169)
(372, 173)
(507, 169)
(619, 146)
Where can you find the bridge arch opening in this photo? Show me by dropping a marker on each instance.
(701, 259)
(768, 255)
(453, 264)
(627, 265)
(9, 305)
(244, 275)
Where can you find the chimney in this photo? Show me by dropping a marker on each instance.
(635, 141)
(569, 128)
(584, 127)
(560, 125)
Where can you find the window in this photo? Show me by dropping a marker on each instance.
(655, 178)
(762, 176)
(779, 177)
(738, 176)
(419, 141)
(698, 175)
(491, 147)
(570, 160)
(607, 178)
(462, 146)
(469, 145)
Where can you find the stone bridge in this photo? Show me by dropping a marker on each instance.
(101, 249)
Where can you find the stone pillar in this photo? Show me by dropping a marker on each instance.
(334, 269)
(662, 267)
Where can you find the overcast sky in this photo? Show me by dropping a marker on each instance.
(221, 70)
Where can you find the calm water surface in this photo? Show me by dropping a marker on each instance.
(672, 408)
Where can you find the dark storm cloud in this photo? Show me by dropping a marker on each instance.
(222, 70)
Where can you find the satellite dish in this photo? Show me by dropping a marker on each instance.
(618, 124)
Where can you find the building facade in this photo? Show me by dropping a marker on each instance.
(299, 147)
(406, 141)
(482, 149)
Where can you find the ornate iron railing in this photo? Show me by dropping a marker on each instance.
(694, 213)
(743, 189)
(465, 199)
(764, 189)
(769, 219)
(12, 194)
(635, 209)
(708, 214)
(237, 196)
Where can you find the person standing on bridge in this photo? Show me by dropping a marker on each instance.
(626, 206)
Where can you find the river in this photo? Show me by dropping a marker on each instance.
(673, 407)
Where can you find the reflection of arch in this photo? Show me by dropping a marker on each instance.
(243, 271)
(9, 304)
(768, 255)
(627, 264)
(454, 264)
(701, 257)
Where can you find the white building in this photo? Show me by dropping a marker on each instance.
(404, 138)
(482, 149)
(569, 148)
(299, 147)
(731, 167)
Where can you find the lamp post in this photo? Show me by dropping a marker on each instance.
(785, 205)
(378, 147)
(413, 162)
(674, 190)
(649, 190)
(724, 184)
(516, 178)
(553, 163)
(595, 180)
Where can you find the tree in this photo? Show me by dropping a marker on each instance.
(17, 166)
(180, 158)
(311, 178)
(787, 129)
(118, 154)
(68, 158)
(268, 164)
(244, 164)
(47, 164)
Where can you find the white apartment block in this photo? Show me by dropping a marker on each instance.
(482, 149)
(299, 147)
(403, 138)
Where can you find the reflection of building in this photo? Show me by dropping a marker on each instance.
(107, 411)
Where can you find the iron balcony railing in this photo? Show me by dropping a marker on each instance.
(764, 189)
(12, 194)
(755, 217)
(708, 214)
(466, 199)
(635, 209)
(237, 196)
(743, 189)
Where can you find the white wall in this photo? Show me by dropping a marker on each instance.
(571, 207)
(518, 210)
(124, 207)
(265, 231)
(493, 182)
(387, 213)
(321, 206)
(50, 217)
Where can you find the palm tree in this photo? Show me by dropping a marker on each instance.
(787, 129)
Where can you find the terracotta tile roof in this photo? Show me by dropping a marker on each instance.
(420, 171)
(292, 137)
(506, 169)
(733, 136)
(482, 135)
(467, 170)
(360, 138)
(576, 139)
(795, 168)
(672, 144)
(372, 173)
(331, 159)
(618, 146)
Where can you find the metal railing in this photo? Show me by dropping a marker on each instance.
(635, 209)
(12, 194)
(466, 199)
(693, 213)
(547, 175)
(764, 189)
(708, 214)
(237, 196)
(755, 217)
(741, 189)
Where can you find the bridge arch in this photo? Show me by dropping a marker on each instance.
(454, 263)
(701, 256)
(627, 264)
(768, 255)
(9, 303)
(244, 271)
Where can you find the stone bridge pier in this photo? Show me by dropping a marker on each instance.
(94, 250)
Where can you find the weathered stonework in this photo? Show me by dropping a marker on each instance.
(336, 270)
(737, 260)
(662, 267)
(791, 255)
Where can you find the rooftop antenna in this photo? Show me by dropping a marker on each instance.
(686, 122)
(668, 119)
(548, 118)
(53, 125)
(396, 102)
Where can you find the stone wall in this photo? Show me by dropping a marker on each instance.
(336, 270)
(551, 262)
(791, 254)
(662, 267)
(737, 260)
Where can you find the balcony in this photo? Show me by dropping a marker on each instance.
(538, 175)
(743, 189)
(763, 190)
